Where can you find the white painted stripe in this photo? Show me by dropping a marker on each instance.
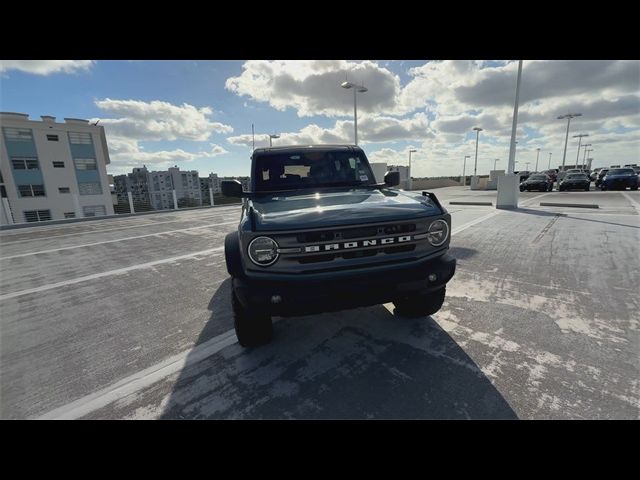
(118, 271)
(151, 375)
(3, 242)
(116, 240)
(636, 205)
(140, 380)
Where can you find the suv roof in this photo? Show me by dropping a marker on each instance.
(299, 147)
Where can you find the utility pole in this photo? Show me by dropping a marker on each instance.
(568, 116)
(537, 156)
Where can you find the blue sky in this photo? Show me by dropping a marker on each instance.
(198, 114)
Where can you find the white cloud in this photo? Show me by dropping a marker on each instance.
(157, 120)
(371, 129)
(46, 67)
(313, 87)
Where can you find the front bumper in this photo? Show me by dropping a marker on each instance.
(623, 183)
(300, 295)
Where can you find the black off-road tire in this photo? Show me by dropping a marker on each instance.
(252, 328)
(420, 305)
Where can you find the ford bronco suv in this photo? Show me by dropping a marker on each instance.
(317, 233)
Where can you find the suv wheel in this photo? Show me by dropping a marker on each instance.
(419, 305)
(252, 328)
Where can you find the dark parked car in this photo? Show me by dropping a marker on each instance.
(537, 181)
(318, 233)
(600, 176)
(620, 178)
(574, 181)
(524, 174)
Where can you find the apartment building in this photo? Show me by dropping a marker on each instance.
(136, 182)
(52, 170)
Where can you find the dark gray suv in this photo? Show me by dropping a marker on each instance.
(317, 233)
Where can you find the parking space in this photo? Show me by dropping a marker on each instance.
(131, 318)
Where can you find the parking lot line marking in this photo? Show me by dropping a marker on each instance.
(85, 278)
(116, 240)
(140, 380)
(633, 201)
(21, 232)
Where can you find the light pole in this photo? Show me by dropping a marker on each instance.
(537, 156)
(272, 137)
(585, 153)
(464, 166)
(494, 163)
(549, 166)
(526, 166)
(360, 89)
(475, 165)
(579, 137)
(584, 161)
(410, 181)
(508, 184)
(568, 116)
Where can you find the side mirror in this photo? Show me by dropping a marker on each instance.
(232, 188)
(391, 179)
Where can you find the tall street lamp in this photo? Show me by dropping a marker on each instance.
(549, 166)
(360, 89)
(464, 166)
(537, 156)
(475, 165)
(568, 116)
(494, 163)
(508, 184)
(410, 180)
(579, 137)
(272, 137)
(585, 153)
(584, 161)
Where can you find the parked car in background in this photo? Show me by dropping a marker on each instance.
(600, 176)
(524, 174)
(594, 174)
(537, 181)
(620, 179)
(574, 181)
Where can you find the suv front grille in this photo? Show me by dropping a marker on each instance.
(350, 233)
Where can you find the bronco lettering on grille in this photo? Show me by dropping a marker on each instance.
(360, 243)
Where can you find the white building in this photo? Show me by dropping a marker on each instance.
(186, 184)
(51, 170)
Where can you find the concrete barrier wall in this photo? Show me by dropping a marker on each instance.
(425, 183)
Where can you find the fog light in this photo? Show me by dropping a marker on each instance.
(276, 299)
(432, 277)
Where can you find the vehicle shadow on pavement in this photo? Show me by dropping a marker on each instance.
(354, 364)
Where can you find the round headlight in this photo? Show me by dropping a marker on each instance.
(438, 233)
(263, 251)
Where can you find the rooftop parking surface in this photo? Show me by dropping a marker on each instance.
(131, 318)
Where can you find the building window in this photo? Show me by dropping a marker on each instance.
(64, 190)
(18, 134)
(94, 211)
(25, 163)
(37, 215)
(58, 164)
(69, 214)
(52, 138)
(90, 188)
(85, 163)
(80, 138)
(31, 190)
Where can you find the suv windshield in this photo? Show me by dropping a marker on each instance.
(621, 171)
(537, 177)
(309, 169)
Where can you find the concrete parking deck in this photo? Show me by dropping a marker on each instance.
(130, 318)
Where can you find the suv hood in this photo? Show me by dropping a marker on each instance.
(296, 210)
